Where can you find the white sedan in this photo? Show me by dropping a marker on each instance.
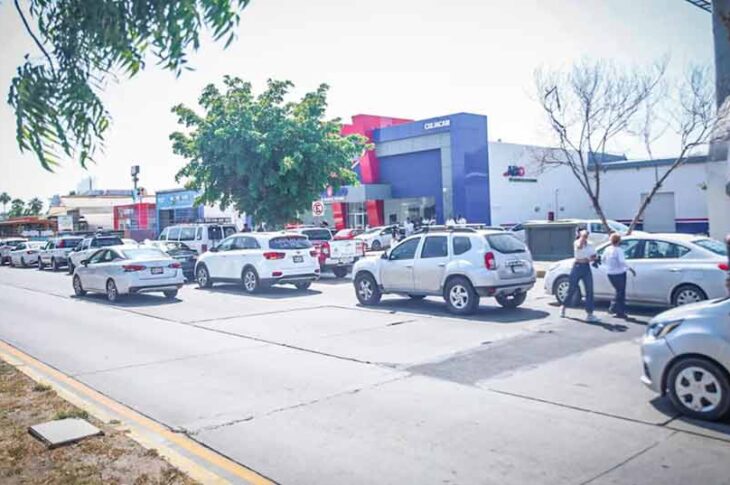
(671, 270)
(26, 253)
(377, 238)
(120, 270)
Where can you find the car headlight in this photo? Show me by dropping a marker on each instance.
(662, 329)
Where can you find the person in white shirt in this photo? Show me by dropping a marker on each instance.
(616, 268)
(450, 222)
(408, 227)
(584, 255)
(461, 221)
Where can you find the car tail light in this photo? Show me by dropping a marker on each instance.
(174, 265)
(274, 255)
(204, 247)
(489, 261)
(129, 268)
(61, 244)
(325, 248)
(276, 274)
(724, 266)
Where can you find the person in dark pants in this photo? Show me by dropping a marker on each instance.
(616, 268)
(584, 255)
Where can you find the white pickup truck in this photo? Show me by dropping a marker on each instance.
(336, 255)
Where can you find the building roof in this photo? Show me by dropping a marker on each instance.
(659, 162)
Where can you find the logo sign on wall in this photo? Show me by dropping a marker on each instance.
(517, 173)
(436, 124)
(317, 208)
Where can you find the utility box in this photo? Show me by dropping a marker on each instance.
(550, 241)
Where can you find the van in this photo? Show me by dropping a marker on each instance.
(199, 237)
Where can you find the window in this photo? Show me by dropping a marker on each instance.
(405, 250)
(102, 242)
(290, 242)
(163, 234)
(506, 244)
(461, 245)
(173, 234)
(20, 246)
(199, 234)
(215, 233)
(242, 242)
(664, 250)
(97, 257)
(50, 245)
(712, 245)
(143, 253)
(187, 234)
(435, 247)
(318, 234)
(228, 230)
(632, 248)
(597, 228)
(517, 227)
(69, 243)
(109, 256)
(226, 244)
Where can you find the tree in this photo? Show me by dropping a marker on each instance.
(587, 108)
(4, 199)
(261, 154)
(34, 207)
(83, 44)
(17, 208)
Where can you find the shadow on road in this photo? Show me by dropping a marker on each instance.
(130, 301)
(491, 314)
(273, 293)
(664, 406)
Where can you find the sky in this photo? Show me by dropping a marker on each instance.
(403, 58)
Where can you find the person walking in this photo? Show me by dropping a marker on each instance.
(585, 254)
(616, 269)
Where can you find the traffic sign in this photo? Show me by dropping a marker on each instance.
(317, 208)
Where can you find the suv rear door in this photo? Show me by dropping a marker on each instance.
(511, 254)
(429, 268)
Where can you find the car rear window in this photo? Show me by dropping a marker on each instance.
(712, 245)
(505, 243)
(143, 253)
(289, 242)
(102, 242)
(69, 242)
(317, 234)
(215, 233)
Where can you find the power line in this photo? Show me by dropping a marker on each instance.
(705, 5)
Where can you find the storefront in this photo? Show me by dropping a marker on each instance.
(137, 221)
(177, 207)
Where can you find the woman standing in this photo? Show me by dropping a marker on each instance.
(616, 269)
(585, 253)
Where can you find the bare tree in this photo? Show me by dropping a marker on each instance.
(692, 116)
(587, 108)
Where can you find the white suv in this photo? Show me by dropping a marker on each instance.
(461, 265)
(259, 260)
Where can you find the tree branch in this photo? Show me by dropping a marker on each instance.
(33, 36)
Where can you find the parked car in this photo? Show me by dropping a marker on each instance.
(337, 256)
(350, 233)
(26, 253)
(129, 242)
(179, 252)
(88, 246)
(7, 245)
(259, 260)
(121, 270)
(686, 355)
(55, 252)
(461, 265)
(199, 237)
(377, 238)
(671, 270)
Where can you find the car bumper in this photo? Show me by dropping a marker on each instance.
(504, 290)
(154, 288)
(291, 279)
(339, 263)
(655, 355)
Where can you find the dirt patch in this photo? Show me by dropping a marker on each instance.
(109, 459)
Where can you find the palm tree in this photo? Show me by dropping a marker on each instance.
(4, 199)
(35, 206)
(17, 207)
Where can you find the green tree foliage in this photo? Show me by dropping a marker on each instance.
(261, 154)
(85, 42)
(17, 208)
(35, 207)
(4, 199)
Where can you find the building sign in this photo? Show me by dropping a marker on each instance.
(182, 199)
(332, 195)
(517, 173)
(431, 125)
(317, 208)
(65, 223)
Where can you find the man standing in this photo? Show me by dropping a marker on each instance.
(408, 227)
(616, 268)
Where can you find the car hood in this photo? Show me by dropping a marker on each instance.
(702, 308)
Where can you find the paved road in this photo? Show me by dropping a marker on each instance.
(311, 388)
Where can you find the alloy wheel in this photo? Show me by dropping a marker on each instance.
(250, 281)
(365, 289)
(459, 297)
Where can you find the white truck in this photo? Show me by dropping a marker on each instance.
(336, 255)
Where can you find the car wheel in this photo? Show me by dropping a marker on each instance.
(699, 389)
(687, 294)
(54, 264)
(512, 301)
(560, 290)
(78, 289)
(377, 246)
(22, 262)
(112, 294)
(170, 294)
(339, 272)
(40, 264)
(461, 299)
(250, 281)
(202, 276)
(71, 267)
(366, 289)
(416, 297)
(303, 286)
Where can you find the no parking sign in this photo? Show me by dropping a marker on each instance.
(317, 208)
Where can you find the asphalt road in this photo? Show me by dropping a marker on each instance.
(308, 387)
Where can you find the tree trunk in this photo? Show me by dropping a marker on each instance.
(599, 212)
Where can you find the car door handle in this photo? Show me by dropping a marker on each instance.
(442, 265)
(409, 266)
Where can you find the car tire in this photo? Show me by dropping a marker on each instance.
(71, 267)
(170, 294)
(417, 297)
(54, 264)
(78, 288)
(40, 264)
(339, 272)
(560, 290)
(366, 289)
(686, 395)
(511, 301)
(112, 293)
(686, 294)
(303, 286)
(376, 246)
(250, 280)
(22, 262)
(460, 296)
(202, 277)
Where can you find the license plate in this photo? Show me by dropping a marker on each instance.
(156, 270)
(298, 259)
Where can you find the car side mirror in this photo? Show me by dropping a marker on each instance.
(385, 255)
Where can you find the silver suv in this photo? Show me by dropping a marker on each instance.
(460, 264)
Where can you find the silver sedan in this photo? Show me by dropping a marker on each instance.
(671, 270)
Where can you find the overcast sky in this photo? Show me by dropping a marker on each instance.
(403, 58)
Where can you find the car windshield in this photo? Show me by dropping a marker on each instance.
(290, 242)
(712, 245)
(505, 243)
(143, 253)
(317, 234)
